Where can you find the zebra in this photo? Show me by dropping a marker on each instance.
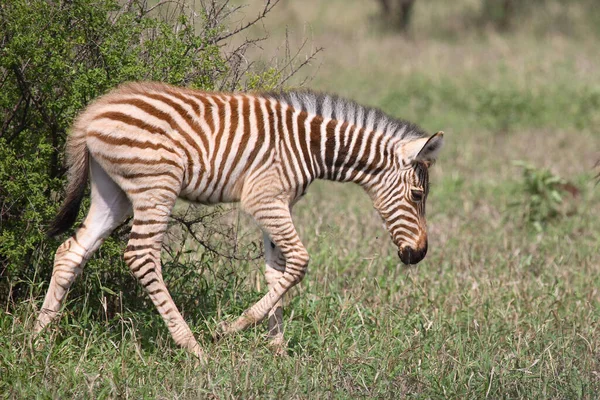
(143, 145)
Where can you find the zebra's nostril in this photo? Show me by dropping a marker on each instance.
(405, 255)
(409, 255)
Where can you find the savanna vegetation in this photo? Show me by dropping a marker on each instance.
(505, 305)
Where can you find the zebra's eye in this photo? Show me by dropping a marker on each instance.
(416, 194)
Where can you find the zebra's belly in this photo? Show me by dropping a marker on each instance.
(211, 190)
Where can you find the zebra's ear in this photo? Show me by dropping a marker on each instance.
(425, 149)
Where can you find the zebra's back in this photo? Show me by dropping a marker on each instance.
(210, 142)
(208, 147)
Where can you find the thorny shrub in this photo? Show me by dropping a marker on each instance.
(57, 56)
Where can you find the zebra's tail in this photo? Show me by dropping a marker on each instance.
(77, 162)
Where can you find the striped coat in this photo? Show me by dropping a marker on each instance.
(143, 145)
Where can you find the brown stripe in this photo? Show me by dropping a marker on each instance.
(182, 96)
(315, 143)
(403, 218)
(132, 121)
(266, 208)
(157, 113)
(375, 167)
(130, 258)
(208, 106)
(144, 208)
(242, 146)
(278, 113)
(129, 120)
(125, 141)
(137, 160)
(148, 272)
(341, 153)
(363, 163)
(344, 151)
(412, 230)
(141, 256)
(200, 113)
(233, 104)
(159, 187)
(356, 155)
(150, 175)
(141, 265)
(75, 239)
(147, 222)
(330, 147)
(302, 136)
(218, 137)
(150, 282)
(131, 247)
(354, 151)
(401, 207)
(138, 235)
(273, 137)
(162, 303)
(260, 134)
(287, 236)
(196, 128)
(289, 120)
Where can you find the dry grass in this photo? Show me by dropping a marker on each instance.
(498, 309)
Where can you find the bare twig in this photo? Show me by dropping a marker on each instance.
(126, 8)
(11, 115)
(189, 225)
(267, 8)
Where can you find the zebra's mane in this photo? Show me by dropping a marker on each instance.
(338, 108)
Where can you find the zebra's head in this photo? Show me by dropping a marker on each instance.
(401, 195)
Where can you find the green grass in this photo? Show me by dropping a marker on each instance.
(498, 308)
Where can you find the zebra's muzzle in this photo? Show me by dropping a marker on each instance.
(410, 256)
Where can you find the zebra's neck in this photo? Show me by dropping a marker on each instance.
(347, 153)
(347, 141)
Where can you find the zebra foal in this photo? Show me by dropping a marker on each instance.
(143, 145)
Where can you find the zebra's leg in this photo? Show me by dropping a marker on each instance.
(151, 211)
(275, 220)
(274, 269)
(109, 207)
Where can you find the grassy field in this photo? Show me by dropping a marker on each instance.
(506, 303)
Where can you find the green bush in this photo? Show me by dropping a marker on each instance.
(542, 195)
(55, 57)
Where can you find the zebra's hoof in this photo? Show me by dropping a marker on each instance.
(201, 360)
(195, 349)
(223, 329)
(278, 345)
